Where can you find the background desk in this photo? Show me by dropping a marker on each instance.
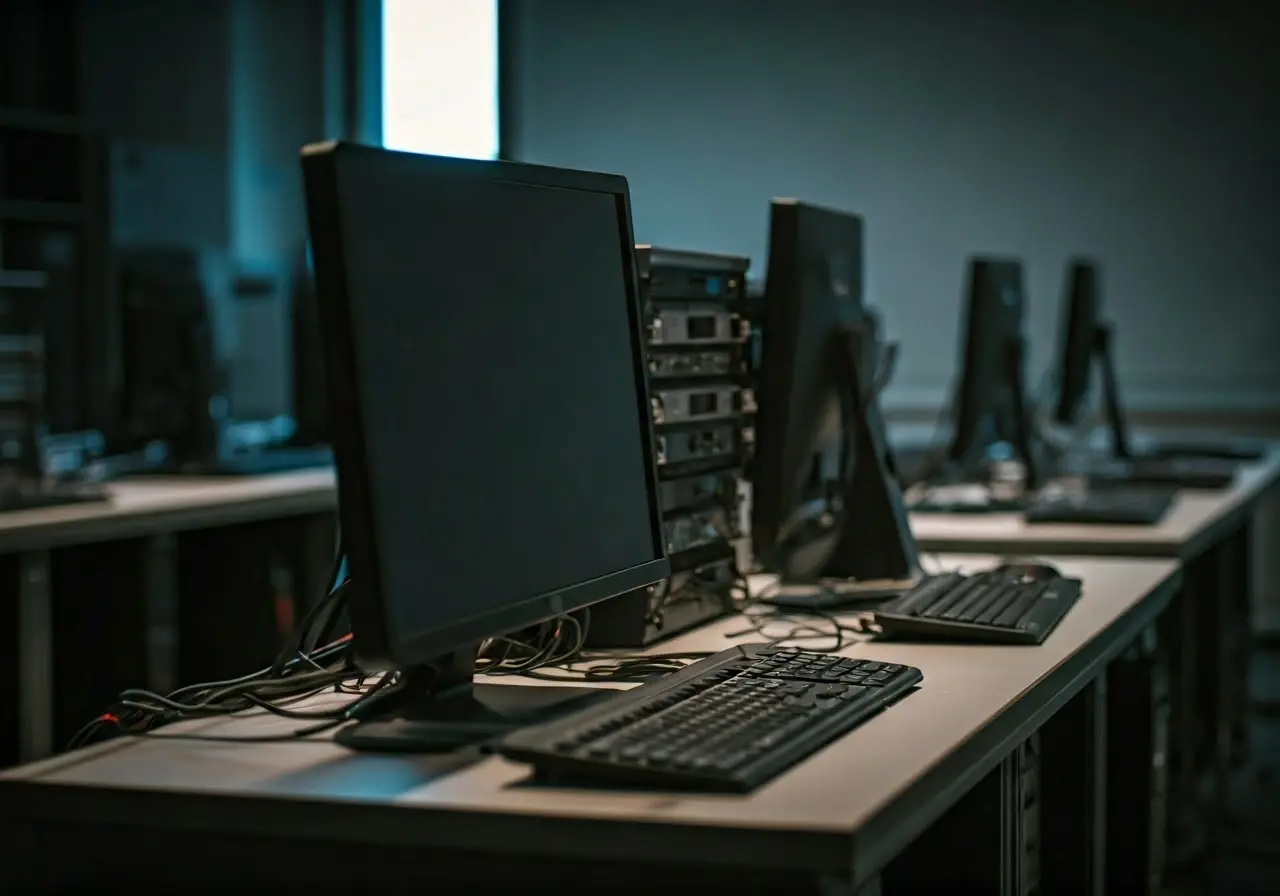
(1197, 521)
(1208, 631)
(310, 812)
(164, 504)
(148, 513)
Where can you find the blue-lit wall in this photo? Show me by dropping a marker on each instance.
(1139, 132)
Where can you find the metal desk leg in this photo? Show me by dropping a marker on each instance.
(162, 613)
(989, 842)
(1184, 839)
(1240, 551)
(1231, 597)
(1137, 776)
(35, 656)
(1073, 823)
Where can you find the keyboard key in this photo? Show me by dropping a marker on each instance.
(1016, 610)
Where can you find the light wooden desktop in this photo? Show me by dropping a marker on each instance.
(158, 504)
(845, 812)
(1196, 521)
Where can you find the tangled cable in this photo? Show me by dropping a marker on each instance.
(313, 662)
(779, 625)
(551, 643)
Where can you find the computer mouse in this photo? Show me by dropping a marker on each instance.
(1031, 569)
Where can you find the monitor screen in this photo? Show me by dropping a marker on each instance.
(494, 337)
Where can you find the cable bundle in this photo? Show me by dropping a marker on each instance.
(315, 662)
(139, 711)
(549, 644)
(311, 663)
(778, 625)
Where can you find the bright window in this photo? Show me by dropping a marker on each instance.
(440, 77)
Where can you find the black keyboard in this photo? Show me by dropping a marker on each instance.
(1186, 472)
(1102, 507)
(728, 723)
(999, 606)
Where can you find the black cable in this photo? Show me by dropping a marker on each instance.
(335, 718)
(618, 667)
(802, 624)
(139, 711)
(552, 643)
(300, 671)
(320, 610)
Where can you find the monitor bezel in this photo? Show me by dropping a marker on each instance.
(377, 643)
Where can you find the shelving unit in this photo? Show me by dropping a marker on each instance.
(52, 218)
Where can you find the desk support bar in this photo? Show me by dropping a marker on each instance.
(1074, 794)
(161, 609)
(35, 656)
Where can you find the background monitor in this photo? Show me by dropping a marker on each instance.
(484, 352)
(310, 413)
(1078, 337)
(990, 396)
(813, 288)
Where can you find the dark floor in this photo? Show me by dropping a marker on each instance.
(1251, 864)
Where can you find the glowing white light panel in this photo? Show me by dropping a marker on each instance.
(440, 77)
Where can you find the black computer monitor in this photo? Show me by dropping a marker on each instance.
(824, 503)
(1084, 338)
(495, 455)
(990, 405)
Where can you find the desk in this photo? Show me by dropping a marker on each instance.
(163, 504)
(152, 509)
(1208, 631)
(1196, 522)
(829, 825)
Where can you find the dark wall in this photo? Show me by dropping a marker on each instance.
(1141, 133)
(205, 105)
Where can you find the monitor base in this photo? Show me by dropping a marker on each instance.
(58, 495)
(837, 594)
(428, 713)
(1240, 452)
(875, 542)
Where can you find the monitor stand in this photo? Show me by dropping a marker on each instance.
(1023, 438)
(874, 554)
(1112, 409)
(441, 708)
